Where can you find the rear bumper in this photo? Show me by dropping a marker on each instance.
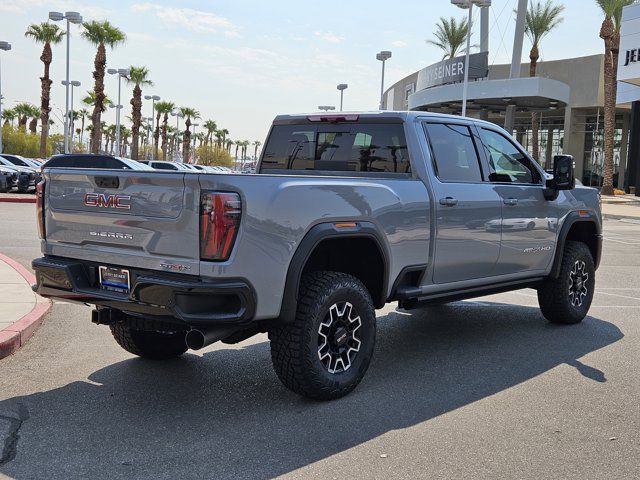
(196, 302)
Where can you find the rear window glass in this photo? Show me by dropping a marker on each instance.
(86, 162)
(358, 147)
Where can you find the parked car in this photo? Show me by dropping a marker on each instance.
(21, 161)
(28, 177)
(167, 165)
(8, 179)
(347, 212)
(88, 160)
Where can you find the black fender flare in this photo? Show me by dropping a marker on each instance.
(310, 241)
(570, 221)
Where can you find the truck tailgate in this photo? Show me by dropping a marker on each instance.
(139, 219)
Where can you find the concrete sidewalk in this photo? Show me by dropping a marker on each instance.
(21, 310)
(620, 208)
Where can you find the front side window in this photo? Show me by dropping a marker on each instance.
(506, 162)
(456, 159)
(358, 147)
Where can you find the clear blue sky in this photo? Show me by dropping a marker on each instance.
(242, 62)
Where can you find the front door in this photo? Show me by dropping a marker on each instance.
(529, 221)
(468, 210)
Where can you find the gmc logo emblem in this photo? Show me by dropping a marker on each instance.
(107, 201)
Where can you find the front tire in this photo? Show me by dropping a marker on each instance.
(153, 345)
(567, 299)
(327, 349)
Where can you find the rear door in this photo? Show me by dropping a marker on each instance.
(528, 220)
(468, 210)
(145, 220)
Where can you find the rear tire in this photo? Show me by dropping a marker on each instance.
(154, 345)
(566, 299)
(327, 349)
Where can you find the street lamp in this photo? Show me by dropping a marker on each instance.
(154, 99)
(383, 56)
(178, 116)
(468, 4)
(342, 87)
(6, 46)
(70, 17)
(121, 72)
(326, 108)
(73, 83)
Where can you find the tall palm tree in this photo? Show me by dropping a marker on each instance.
(100, 34)
(224, 133)
(138, 77)
(9, 115)
(451, 36)
(256, 144)
(610, 33)
(84, 113)
(188, 114)
(23, 111)
(238, 144)
(46, 34)
(218, 134)
(229, 142)
(90, 99)
(210, 126)
(541, 19)
(163, 109)
(34, 115)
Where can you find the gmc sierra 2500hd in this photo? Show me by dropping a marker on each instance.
(346, 213)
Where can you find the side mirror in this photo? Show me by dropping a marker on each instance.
(563, 173)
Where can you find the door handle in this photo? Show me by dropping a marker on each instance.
(449, 202)
(510, 201)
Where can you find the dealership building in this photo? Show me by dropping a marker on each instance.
(567, 94)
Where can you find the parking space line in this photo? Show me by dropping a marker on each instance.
(618, 295)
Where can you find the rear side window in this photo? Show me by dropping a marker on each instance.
(358, 147)
(163, 166)
(86, 162)
(456, 158)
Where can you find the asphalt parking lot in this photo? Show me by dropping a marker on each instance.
(474, 389)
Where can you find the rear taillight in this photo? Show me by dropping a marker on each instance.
(219, 222)
(40, 208)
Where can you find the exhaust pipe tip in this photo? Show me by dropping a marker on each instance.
(195, 339)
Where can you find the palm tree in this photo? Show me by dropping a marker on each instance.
(256, 144)
(451, 36)
(218, 134)
(138, 76)
(188, 114)
(84, 113)
(224, 133)
(163, 108)
(9, 116)
(23, 111)
(90, 99)
(610, 33)
(100, 34)
(238, 144)
(210, 126)
(34, 114)
(229, 142)
(541, 19)
(46, 34)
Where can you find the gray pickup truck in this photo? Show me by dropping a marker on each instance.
(346, 213)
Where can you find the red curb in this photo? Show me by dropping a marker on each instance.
(17, 200)
(16, 335)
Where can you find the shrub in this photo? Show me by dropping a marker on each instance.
(214, 156)
(20, 142)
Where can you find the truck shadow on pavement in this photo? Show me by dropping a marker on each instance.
(226, 415)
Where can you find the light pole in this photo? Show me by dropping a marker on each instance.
(72, 83)
(154, 99)
(121, 72)
(383, 56)
(326, 108)
(342, 87)
(149, 128)
(468, 4)
(70, 17)
(178, 116)
(6, 46)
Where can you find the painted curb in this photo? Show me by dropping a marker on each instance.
(17, 200)
(18, 334)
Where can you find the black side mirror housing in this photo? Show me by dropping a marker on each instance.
(564, 177)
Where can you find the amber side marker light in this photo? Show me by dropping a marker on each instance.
(346, 225)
